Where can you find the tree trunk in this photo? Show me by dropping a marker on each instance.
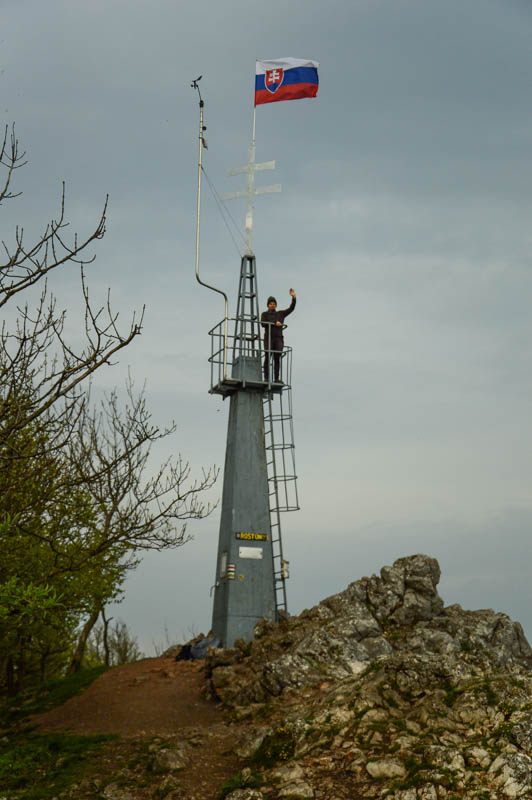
(43, 659)
(15, 671)
(79, 652)
(21, 669)
(106, 638)
(10, 676)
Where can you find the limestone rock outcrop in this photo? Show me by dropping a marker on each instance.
(380, 691)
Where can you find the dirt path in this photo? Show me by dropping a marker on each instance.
(156, 697)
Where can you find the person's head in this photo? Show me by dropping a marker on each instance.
(272, 303)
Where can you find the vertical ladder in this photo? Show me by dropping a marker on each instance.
(282, 483)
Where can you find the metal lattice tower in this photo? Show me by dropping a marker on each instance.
(259, 472)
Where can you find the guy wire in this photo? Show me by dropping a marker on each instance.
(223, 211)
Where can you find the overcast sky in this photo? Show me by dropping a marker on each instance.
(403, 225)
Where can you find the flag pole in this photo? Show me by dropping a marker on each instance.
(254, 109)
(250, 192)
(254, 122)
(251, 186)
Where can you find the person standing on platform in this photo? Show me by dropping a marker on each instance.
(272, 321)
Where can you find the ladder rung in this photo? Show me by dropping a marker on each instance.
(276, 424)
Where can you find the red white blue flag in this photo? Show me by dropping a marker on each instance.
(285, 79)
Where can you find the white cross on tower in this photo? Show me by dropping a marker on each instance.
(250, 192)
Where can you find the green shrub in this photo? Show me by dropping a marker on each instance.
(278, 746)
(239, 781)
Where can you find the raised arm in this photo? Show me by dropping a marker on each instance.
(289, 310)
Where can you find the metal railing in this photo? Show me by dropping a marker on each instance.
(239, 359)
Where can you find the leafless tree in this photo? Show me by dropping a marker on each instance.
(40, 371)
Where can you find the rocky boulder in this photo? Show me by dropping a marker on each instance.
(373, 619)
(381, 691)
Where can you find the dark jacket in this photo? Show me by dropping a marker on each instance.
(273, 317)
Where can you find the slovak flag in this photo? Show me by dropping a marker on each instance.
(285, 79)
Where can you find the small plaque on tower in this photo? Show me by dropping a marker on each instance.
(252, 537)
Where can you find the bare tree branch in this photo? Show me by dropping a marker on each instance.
(37, 363)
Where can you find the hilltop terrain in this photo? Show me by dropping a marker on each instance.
(378, 691)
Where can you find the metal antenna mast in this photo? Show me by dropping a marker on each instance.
(203, 144)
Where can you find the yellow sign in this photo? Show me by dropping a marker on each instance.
(252, 537)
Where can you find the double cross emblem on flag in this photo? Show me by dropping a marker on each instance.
(273, 79)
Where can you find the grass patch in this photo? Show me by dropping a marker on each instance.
(452, 693)
(416, 774)
(47, 696)
(239, 781)
(419, 773)
(491, 697)
(39, 767)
